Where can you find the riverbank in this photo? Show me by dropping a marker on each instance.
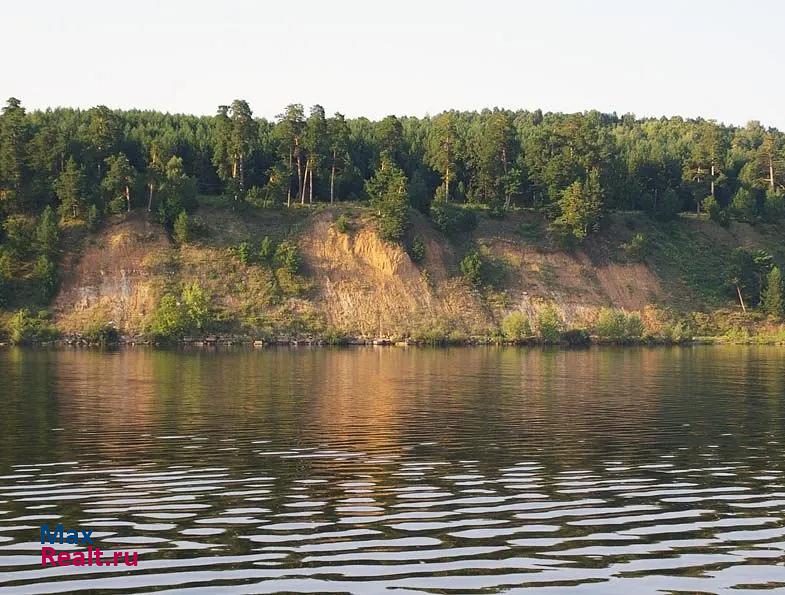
(571, 339)
(323, 276)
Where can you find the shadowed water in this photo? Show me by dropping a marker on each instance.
(408, 470)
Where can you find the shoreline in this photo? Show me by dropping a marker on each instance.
(215, 342)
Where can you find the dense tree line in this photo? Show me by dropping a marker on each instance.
(64, 164)
(573, 166)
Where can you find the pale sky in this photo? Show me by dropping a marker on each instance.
(719, 59)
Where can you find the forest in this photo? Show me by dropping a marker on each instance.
(63, 166)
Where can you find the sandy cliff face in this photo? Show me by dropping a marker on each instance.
(110, 278)
(354, 282)
(366, 286)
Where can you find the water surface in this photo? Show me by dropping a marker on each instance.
(403, 470)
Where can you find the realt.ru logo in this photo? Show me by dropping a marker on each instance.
(50, 556)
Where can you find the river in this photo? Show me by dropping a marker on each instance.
(401, 470)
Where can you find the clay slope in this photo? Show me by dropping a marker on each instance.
(111, 279)
(368, 287)
(357, 284)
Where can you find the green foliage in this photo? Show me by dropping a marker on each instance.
(196, 306)
(275, 190)
(452, 220)
(580, 206)
(744, 272)
(236, 133)
(70, 189)
(46, 275)
(516, 327)
(118, 181)
(691, 261)
(177, 193)
(24, 328)
(6, 275)
(93, 218)
(263, 197)
(637, 248)
(101, 333)
(773, 302)
(438, 334)
(443, 147)
(175, 317)
(743, 205)
(416, 250)
(116, 205)
(668, 205)
(47, 234)
(182, 229)
(387, 190)
(618, 326)
(19, 234)
(774, 206)
(715, 211)
(335, 337)
(287, 257)
(677, 332)
(167, 321)
(266, 249)
(472, 268)
(393, 219)
(497, 158)
(288, 283)
(243, 252)
(342, 224)
(549, 325)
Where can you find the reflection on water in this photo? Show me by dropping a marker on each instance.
(408, 470)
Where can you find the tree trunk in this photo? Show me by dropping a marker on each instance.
(332, 180)
(504, 166)
(299, 175)
(128, 197)
(712, 180)
(447, 184)
(310, 189)
(332, 184)
(741, 299)
(242, 173)
(304, 184)
(771, 172)
(289, 182)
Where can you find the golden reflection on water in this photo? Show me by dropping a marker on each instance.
(379, 398)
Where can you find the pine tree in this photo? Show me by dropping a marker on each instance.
(581, 208)
(442, 149)
(338, 133)
(119, 178)
(236, 136)
(315, 147)
(289, 133)
(14, 133)
(47, 233)
(388, 192)
(69, 187)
